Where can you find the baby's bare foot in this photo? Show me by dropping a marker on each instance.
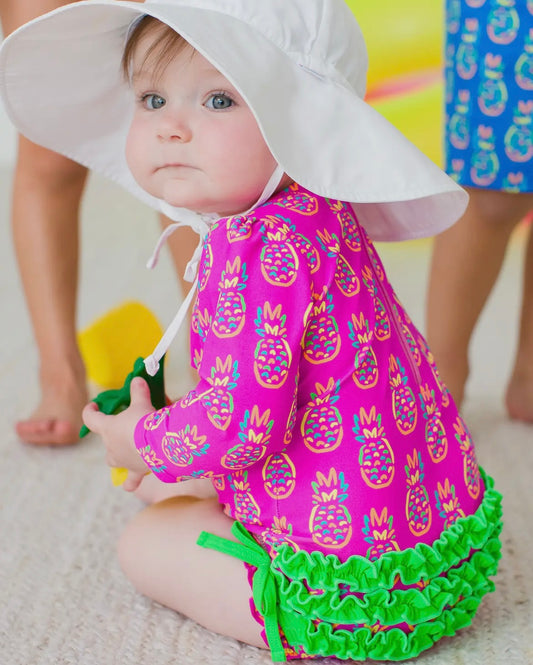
(519, 398)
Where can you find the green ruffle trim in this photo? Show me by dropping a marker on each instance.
(455, 572)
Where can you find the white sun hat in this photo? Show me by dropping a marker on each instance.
(299, 64)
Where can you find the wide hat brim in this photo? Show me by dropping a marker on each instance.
(63, 88)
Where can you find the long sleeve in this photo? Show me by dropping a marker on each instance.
(248, 323)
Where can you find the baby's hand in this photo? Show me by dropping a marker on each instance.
(117, 432)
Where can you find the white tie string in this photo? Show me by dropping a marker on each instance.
(201, 227)
(200, 224)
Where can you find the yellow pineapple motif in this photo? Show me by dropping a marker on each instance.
(345, 277)
(445, 393)
(239, 227)
(254, 438)
(279, 259)
(183, 446)
(330, 522)
(322, 423)
(322, 340)
(218, 400)
(447, 503)
(278, 534)
(273, 356)
(382, 325)
(376, 457)
(365, 372)
(155, 419)
(417, 506)
(205, 264)
(246, 509)
(279, 476)
(298, 201)
(379, 534)
(470, 466)
(230, 312)
(403, 401)
(349, 226)
(436, 439)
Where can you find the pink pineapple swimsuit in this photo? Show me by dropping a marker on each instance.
(369, 530)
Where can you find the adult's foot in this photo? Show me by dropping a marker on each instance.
(57, 419)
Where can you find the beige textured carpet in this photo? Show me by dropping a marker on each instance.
(63, 599)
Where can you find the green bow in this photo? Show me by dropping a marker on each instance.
(264, 589)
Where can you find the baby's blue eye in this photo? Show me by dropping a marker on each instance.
(153, 102)
(219, 102)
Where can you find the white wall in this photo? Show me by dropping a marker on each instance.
(8, 139)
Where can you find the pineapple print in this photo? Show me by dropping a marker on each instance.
(470, 466)
(298, 201)
(150, 458)
(201, 322)
(365, 372)
(254, 437)
(445, 393)
(153, 420)
(279, 259)
(349, 226)
(246, 509)
(307, 250)
(448, 504)
(330, 521)
(376, 457)
(417, 506)
(219, 483)
(278, 534)
(239, 228)
(291, 420)
(183, 446)
(373, 257)
(218, 400)
(413, 346)
(279, 476)
(205, 264)
(345, 277)
(322, 423)
(436, 439)
(322, 340)
(230, 309)
(379, 534)
(382, 327)
(403, 401)
(272, 356)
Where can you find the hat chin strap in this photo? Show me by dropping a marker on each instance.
(201, 224)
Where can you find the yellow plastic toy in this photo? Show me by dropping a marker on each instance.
(110, 345)
(405, 74)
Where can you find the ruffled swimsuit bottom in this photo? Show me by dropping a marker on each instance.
(392, 608)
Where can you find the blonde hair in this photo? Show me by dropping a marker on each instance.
(166, 44)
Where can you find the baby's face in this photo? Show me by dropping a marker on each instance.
(193, 141)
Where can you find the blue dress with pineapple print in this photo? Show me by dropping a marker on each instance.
(489, 93)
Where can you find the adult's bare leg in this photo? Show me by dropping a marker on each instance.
(46, 197)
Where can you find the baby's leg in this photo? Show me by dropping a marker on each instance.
(519, 396)
(151, 490)
(159, 554)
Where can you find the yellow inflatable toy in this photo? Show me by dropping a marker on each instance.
(405, 74)
(110, 345)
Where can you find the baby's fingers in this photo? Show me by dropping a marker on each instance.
(93, 418)
(133, 481)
